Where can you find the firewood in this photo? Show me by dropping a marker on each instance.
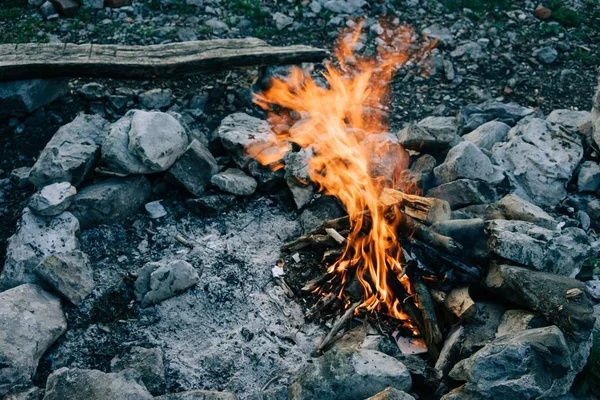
(313, 284)
(320, 305)
(459, 302)
(310, 240)
(432, 334)
(425, 209)
(337, 326)
(335, 235)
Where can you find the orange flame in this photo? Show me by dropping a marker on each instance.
(335, 121)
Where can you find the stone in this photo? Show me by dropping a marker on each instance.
(52, 199)
(195, 168)
(35, 3)
(198, 101)
(470, 49)
(235, 181)
(94, 4)
(464, 192)
(344, 6)
(71, 383)
(31, 321)
(47, 9)
(519, 320)
(514, 207)
(268, 179)
(155, 209)
(156, 99)
(441, 34)
(488, 134)
(561, 252)
(33, 393)
(539, 159)
(240, 132)
(111, 200)
(593, 287)
(23, 97)
(282, 21)
(217, 26)
(71, 153)
(323, 209)
(70, 274)
(470, 233)
(595, 116)
(387, 159)
(391, 394)
(465, 160)
(158, 281)
(149, 365)
(416, 138)
(440, 126)
(588, 179)
(419, 175)
(92, 91)
(546, 55)
(534, 363)
(20, 177)
(211, 205)
(67, 8)
(575, 121)
(473, 116)
(344, 374)
(198, 395)
(36, 237)
(543, 13)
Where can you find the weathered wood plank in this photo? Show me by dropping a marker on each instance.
(48, 60)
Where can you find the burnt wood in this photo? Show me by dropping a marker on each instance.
(172, 60)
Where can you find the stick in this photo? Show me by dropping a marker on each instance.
(337, 326)
(183, 241)
(308, 241)
(316, 283)
(335, 235)
(432, 334)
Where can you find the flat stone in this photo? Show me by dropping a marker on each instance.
(588, 179)
(539, 159)
(417, 138)
(70, 274)
(211, 205)
(71, 383)
(111, 200)
(148, 363)
(343, 374)
(546, 55)
(520, 320)
(71, 153)
(155, 209)
(440, 126)
(52, 199)
(31, 321)
(195, 168)
(36, 238)
(235, 181)
(464, 192)
(23, 97)
(514, 207)
(473, 116)
(560, 252)
(465, 160)
(391, 394)
(92, 91)
(158, 281)
(575, 121)
(156, 99)
(488, 134)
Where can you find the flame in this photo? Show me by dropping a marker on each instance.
(336, 122)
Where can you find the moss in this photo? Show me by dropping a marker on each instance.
(564, 15)
(25, 30)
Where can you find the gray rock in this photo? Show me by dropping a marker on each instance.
(464, 192)
(387, 159)
(593, 287)
(95, 4)
(22, 97)
(47, 9)
(530, 364)
(344, 6)
(343, 374)
(149, 365)
(33, 393)
(488, 134)
(470, 49)
(442, 34)
(322, 209)
(483, 211)
(36, 238)
(35, 3)
(217, 26)
(519, 320)
(92, 90)
(596, 117)
(468, 232)
(211, 205)
(588, 179)
(473, 116)
(539, 159)
(282, 20)
(560, 252)
(420, 173)
(111, 200)
(156, 99)
(414, 137)
(198, 101)
(440, 126)
(514, 207)
(584, 219)
(575, 121)
(72, 383)
(546, 55)
(465, 160)
(195, 168)
(391, 394)
(155, 209)
(31, 321)
(240, 132)
(198, 395)
(20, 177)
(71, 153)
(52, 199)
(268, 179)
(70, 274)
(158, 281)
(235, 181)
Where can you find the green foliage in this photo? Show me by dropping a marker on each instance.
(250, 9)
(25, 30)
(563, 14)
(6, 4)
(549, 29)
(10, 13)
(265, 32)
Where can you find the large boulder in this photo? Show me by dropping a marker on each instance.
(36, 238)
(111, 200)
(22, 97)
(143, 142)
(90, 384)
(194, 168)
(465, 160)
(344, 374)
(71, 153)
(539, 159)
(31, 320)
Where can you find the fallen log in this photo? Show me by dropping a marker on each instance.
(49, 60)
(425, 209)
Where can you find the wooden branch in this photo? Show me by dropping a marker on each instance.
(317, 282)
(335, 235)
(425, 209)
(49, 60)
(337, 326)
(432, 334)
(309, 241)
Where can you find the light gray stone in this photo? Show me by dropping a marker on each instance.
(111, 200)
(539, 159)
(442, 34)
(588, 179)
(155, 209)
(470, 49)
(488, 134)
(52, 199)
(575, 121)
(464, 192)
(465, 160)
(71, 153)
(440, 126)
(546, 55)
(195, 168)
(387, 159)
(519, 320)
(33, 393)
(70, 274)
(344, 6)
(391, 394)
(514, 207)
(47, 9)
(235, 181)
(240, 133)
(148, 363)
(156, 99)
(36, 238)
(158, 281)
(414, 137)
(72, 383)
(420, 173)
(22, 97)
(560, 252)
(282, 21)
(596, 116)
(31, 321)
(343, 374)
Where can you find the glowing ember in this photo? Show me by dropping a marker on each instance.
(334, 122)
